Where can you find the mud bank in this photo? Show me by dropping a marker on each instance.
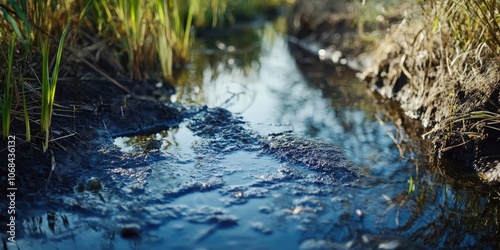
(88, 121)
(397, 58)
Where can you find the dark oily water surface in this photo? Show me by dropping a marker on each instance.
(302, 160)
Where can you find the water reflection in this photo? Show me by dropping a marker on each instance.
(336, 107)
(220, 53)
(445, 208)
(454, 214)
(142, 144)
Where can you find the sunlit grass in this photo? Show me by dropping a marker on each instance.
(446, 53)
(49, 84)
(164, 47)
(468, 37)
(152, 32)
(133, 19)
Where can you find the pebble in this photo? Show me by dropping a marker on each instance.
(131, 231)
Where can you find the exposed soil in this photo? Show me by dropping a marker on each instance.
(86, 118)
(335, 26)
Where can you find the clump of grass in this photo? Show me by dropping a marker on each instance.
(153, 32)
(466, 46)
(476, 21)
(133, 22)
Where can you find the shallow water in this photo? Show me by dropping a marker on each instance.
(216, 188)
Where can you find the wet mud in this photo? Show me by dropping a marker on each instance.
(88, 176)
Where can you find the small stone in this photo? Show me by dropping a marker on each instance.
(131, 231)
(80, 187)
(94, 184)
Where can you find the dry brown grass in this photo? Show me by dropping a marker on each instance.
(442, 63)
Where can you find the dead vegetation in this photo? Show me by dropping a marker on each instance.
(442, 64)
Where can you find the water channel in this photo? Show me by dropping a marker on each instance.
(207, 193)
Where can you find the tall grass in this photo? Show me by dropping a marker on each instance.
(153, 32)
(21, 32)
(470, 22)
(154, 36)
(467, 34)
(134, 16)
(165, 39)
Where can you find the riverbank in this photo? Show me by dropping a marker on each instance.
(410, 53)
(238, 179)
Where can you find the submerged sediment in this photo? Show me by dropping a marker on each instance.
(317, 155)
(223, 132)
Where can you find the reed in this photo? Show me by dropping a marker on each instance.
(25, 114)
(164, 47)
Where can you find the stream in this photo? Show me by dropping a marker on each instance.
(305, 159)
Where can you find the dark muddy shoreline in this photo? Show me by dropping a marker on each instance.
(74, 164)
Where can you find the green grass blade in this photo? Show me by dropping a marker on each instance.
(187, 29)
(20, 9)
(14, 25)
(85, 11)
(46, 108)
(7, 100)
(25, 112)
(55, 72)
(49, 85)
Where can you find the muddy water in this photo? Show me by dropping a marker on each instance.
(304, 160)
